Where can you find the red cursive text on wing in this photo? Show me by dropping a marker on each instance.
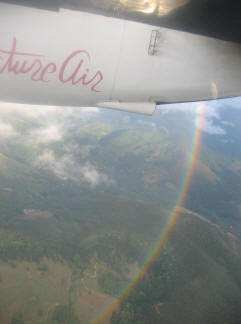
(75, 69)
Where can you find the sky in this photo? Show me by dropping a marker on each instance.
(213, 124)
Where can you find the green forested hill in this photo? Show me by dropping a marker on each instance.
(195, 279)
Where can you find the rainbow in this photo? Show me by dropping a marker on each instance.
(162, 238)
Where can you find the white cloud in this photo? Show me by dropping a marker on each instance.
(209, 114)
(45, 160)
(164, 129)
(85, 150)
(7, 131)
(49, 134)
(192, 108)
(26, 110)
(226, 123)
(209, 127)
(231, 102)
(66, 168)
(146, 123)
(84, 113)
(62, 167)
(48, 112)
(126, 119)
(89, 110)
(94, 177)
(51, 123)
(48, 125)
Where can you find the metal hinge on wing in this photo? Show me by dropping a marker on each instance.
(154, 45)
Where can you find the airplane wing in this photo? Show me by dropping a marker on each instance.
(120, 54)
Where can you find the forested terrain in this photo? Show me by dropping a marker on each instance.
(84, 197)
(196, 279)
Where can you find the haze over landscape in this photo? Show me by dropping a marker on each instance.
(86, 195)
